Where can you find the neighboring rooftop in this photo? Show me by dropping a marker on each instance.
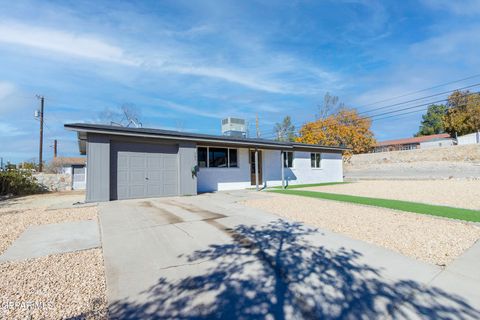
(69, 160)
(83, 128)
(413, 140)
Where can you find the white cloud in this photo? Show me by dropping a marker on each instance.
(268, 72)
(85, 46)
(7, 130)
(464, 7)
(187, 110)
(456, 45)
(6, 89)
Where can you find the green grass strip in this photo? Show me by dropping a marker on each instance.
(422, 208)
(298, 186)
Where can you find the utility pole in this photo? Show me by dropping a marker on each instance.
(40, 151)
(54, 148)
(256, 126)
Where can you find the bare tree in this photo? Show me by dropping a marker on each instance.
(330, 105)
(285, 131)
(127, 115)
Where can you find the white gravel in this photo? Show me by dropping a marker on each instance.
(54, 287)
(455, 193)
(62, 286)
(422, 237)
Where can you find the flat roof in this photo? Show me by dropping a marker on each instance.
(188, 136)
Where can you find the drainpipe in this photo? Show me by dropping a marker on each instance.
(256, 169)
(282, 163)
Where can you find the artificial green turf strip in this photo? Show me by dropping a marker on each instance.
(297, 186)
(434, 210)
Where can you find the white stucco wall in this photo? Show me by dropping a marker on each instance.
(331, 169)
(436, 143)
(471, 138)
(213, 179)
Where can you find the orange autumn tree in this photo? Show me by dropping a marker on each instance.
(345, 127)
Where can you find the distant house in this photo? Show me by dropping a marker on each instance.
(74, 166)
(431, 141)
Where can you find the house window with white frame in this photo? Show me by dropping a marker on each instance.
(215, 157)
(288, 159)
(316, 160)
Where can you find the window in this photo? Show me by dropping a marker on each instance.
(315, 160)
(217, 157)
(232, 158)
(210, 157)
(202, 157)
(288, 160)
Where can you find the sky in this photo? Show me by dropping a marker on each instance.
(185, 65)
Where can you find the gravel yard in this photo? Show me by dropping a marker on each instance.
(454, 193)
(60, 286)
(14, 221)
(422, 237)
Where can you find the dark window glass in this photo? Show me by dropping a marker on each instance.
(288, 163)
(233, 158)
(217, 157)
(318, 159)
(315, 160)
(202, 157)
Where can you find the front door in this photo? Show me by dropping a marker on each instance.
(252, 167)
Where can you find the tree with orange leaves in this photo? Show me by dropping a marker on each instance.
(345, 127)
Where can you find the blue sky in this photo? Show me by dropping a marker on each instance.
(186, 64)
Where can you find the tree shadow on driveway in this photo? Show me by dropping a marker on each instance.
(273, 272)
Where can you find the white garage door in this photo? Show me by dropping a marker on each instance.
(145, 170)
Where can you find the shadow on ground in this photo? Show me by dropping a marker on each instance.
(272, 272)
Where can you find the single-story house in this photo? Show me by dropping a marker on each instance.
(126, 163)
(438, 140)
(75, 167)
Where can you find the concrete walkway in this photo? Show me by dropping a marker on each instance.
(43, 240)
(211, 257)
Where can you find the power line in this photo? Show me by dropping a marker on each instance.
(422, 90)
(418, 99)
(372, 118)
(272, 133)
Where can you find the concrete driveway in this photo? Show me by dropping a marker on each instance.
(208, 256)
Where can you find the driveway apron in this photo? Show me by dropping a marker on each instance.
(209, 256)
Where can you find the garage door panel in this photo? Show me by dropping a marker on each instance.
(137, 191)
(122, 161)
(155, 162)
(137, 176)
(137, 161)
(122, 175)
(170, 177)
(155, 175)
(145, 170)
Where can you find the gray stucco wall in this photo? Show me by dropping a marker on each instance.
(99, 165)
(98, 168)
(187, 154)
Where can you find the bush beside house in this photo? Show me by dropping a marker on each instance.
(19, 183)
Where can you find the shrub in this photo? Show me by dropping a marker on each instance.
(19, 183)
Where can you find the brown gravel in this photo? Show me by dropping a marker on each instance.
(455, 193)
(422, 237)
(54, 287)
(14, 221)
